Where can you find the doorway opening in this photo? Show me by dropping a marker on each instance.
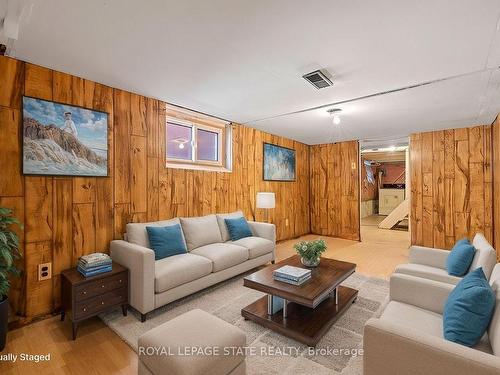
(385, 191)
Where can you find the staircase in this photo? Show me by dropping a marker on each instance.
(396, 216)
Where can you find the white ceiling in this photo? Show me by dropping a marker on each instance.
(243, 60)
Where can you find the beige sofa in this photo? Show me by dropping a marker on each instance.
(408, 336)
(211, 258)
(430, 263)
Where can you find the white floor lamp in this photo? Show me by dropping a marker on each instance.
(266, 201)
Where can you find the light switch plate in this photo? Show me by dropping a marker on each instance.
(44, 271)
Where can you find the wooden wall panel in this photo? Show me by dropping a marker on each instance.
(66, 217)
(334, 178)
(451, 179)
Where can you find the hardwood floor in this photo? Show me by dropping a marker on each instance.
(98, 350)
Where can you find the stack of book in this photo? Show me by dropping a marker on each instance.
(292, 275)
(94, 264)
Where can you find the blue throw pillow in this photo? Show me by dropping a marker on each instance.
(460, 258)
(238, 228)
(468, 309)
(166, 241)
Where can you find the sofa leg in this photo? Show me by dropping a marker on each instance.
(143, 318)
(272, 262)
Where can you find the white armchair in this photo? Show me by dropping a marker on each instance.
(430, 263)
(408, 336)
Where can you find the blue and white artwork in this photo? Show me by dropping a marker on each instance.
(60, 139)
(279, 163)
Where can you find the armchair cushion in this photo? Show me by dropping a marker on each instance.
(427, 272)
(200, 231)
(469, 309)
(428, 256)
(460, 258)
(485, 255)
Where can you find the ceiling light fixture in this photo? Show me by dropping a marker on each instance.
(335, 112)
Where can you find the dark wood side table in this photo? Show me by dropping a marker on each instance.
(86, 297)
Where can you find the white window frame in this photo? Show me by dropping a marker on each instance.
(224, 144)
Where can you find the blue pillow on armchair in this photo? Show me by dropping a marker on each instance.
(166, 241)
(238, 228)
(468, 309)
(460, 258)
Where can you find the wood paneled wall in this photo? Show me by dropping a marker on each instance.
(334, 175)
(451, 185)
(67, 217)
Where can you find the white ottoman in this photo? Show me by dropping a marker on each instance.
(193, 343)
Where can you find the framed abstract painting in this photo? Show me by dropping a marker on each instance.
(279, 163)
(63, 140)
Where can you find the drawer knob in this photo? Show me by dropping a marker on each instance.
(84, 309)
(102, 302)
(84, 292)
(120, 281)
(102, 286)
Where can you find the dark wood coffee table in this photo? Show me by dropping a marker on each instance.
(310, 309)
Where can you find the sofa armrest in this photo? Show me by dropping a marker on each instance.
(140, 262)
(424, 293)
(393, 349)
(263, 230)
(428, 256)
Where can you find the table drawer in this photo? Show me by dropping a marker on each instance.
(98, 287)
(95, 305)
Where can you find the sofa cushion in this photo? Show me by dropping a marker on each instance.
(485, 255)
(194, 329)
(180, 269)
(200, 231)
(137, 234)
(222, 224)
(424, 321)
(460, 258)
(166, 241)
(468, 309)
(222, 255)
(238, 228)
(256, 246)
(427, 272)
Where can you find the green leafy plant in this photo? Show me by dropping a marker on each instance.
(9, 250)
(310, 250)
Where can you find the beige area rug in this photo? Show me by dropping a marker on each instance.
(282, 355)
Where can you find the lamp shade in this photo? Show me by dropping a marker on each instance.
(266, 200)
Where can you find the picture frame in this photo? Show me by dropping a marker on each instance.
(279, 163)
(60, 139)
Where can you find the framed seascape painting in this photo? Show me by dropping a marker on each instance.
(63, 140)
(279, 163)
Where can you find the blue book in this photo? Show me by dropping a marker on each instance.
(87, 273)
(92, 268)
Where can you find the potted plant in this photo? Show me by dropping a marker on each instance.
(310, 251)
(9, 253)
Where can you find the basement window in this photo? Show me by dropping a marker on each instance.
(197, 141)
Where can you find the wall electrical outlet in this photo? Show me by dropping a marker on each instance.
(44, 271)
(286, 222)
(353, 165)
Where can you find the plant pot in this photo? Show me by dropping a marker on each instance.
(4, 319)
(310, 262)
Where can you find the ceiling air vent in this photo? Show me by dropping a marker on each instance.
(318, 79)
